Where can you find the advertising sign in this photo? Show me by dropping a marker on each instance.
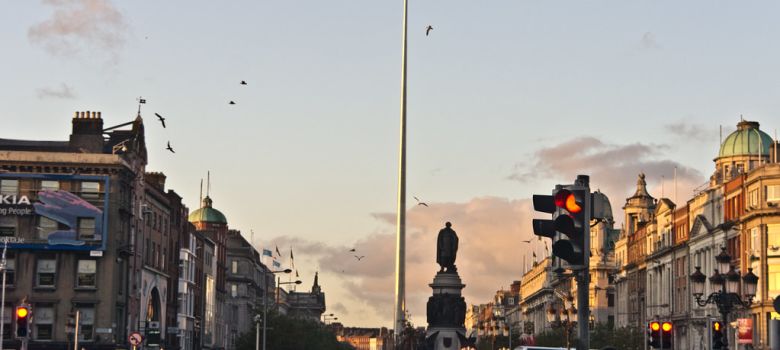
(54, 212)
(745, 331)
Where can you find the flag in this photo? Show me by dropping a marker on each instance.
(267, 252)
(141, 100)
(277, 264)
(277, 252)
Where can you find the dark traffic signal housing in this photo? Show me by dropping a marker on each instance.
(717, 335)
(22, 321)
(569, 227)
(654, 334)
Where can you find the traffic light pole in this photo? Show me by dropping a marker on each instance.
(583, 277)
(2, 303)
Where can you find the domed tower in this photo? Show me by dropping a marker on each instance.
(207, 218)
(639, 207)
(741, 151)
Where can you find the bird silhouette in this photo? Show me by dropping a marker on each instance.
(524, 241)
(352, 250)
(420, 203)
(231, 102)
(360, 257)
(162, 120)
(428, 30)
(243, 82)
(169, 147)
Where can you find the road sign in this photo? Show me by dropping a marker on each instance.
(135, 338)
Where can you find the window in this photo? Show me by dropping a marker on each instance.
(86, 228)
(234, 266)
(44, 322)
(773, 193)
(7, 319)
(773, 283)
(233, 290)
(610, 299)
(10, 271)
(87, 321)
(754, 240)
(9, 187)
(753, 200)
(86, 274)
(7, 226)
(48, 185)
(46, 226)
(90, 190)
(47, 270)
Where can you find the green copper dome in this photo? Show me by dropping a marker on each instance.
(745, 141)
(207, 214)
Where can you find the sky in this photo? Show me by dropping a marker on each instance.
(506, 98)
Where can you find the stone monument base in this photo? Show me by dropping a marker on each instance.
(446, 313)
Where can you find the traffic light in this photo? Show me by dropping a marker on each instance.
(570, 209)
(22, 321)
(717, 336)
(654, 334)
(666, 335)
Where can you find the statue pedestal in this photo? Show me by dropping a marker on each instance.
(446, 313)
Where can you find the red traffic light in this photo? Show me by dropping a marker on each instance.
(667, 326)
(565, 199)
(655, 326)
(21, 312)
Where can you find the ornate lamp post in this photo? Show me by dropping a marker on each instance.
(568, 324)
(726, 288)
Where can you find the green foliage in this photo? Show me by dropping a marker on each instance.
(600, 336)
(287, 333)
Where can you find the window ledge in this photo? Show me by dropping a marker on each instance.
(87, 289)
(45, 288)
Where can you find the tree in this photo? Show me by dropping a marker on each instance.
(289, 333)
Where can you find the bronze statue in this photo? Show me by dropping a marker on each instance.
(447, 249)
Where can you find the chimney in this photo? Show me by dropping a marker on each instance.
(87, 133)
(156, 179)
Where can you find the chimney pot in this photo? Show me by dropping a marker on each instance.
(76, 115)
(99, 115)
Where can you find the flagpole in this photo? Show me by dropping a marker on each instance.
(400, 256)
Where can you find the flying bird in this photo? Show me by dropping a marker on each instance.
(162, 120)
(428, 30)
(524, 241)
(243, 82)
(352, 250)
(169, 147)
(231, 102)
(359, 257)
(420, 203)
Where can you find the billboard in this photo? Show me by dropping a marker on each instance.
(745, 331)
(54, 212)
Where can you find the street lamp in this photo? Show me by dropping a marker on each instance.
(265, 306)
(567, 309)
(726, 288)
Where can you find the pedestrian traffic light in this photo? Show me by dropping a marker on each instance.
(666, 335)
(654, 334)
(717, 336)
(22, 321)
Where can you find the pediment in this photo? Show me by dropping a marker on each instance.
(701, 226)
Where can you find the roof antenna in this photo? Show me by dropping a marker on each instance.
(208, 183)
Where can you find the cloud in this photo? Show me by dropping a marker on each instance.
(687, 131)
(63, 91)
(79, 24)
(489, 228)
(649, 42)
(612, 168)
(339, 309)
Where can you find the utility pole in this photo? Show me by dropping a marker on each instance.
(76, 332)
(2, 302)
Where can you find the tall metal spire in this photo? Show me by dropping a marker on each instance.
(400, 256)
